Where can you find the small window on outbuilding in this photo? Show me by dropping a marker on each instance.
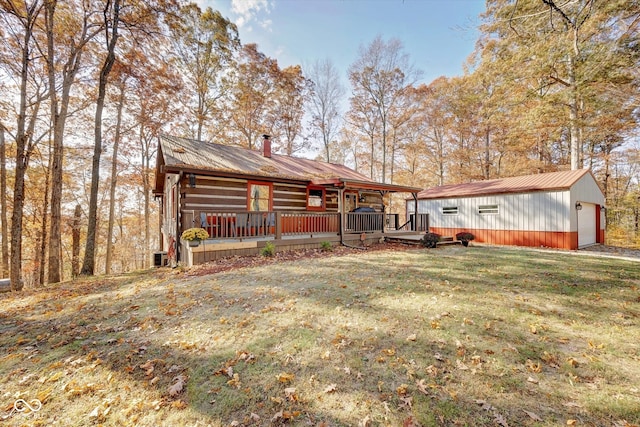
(487, 209)
(315, 199)
(449, 210)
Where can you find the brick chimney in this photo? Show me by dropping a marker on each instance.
(266, 146)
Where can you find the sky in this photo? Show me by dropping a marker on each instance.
(438, 35)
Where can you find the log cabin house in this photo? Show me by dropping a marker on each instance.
(246, 198)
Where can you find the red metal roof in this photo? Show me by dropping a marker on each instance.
(207, 157)
(517, 184)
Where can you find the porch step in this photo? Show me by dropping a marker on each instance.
(415, 240)
(447, 240)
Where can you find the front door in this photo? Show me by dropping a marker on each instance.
(350, 201)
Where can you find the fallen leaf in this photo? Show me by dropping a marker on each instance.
(410, 422)
(572, 405)
(365, 422)
(277, 416)
(179, 404)
(148, 368)
(177, 387)
(402, 389)
(412, 337)
(290, 393)
(500, 420)
(533, 415)
(235, 381)
(407, 401)
(95, 413)
(330, 388)
(285, 377)
(422, 386)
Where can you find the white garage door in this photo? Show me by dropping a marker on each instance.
(587, 225)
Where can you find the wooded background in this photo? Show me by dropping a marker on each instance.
(87, 86)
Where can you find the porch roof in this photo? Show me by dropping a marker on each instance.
(352, 184)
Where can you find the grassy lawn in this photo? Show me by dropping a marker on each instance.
(476, 336)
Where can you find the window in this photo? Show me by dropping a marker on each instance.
(449, 210)
(487, 209)
(259, 197)
(315, 199)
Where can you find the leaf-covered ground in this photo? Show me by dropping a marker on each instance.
(476, 336)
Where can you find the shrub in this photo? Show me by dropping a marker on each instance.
(465, 236)
(326, 246)
(429, 240)
(268, 250)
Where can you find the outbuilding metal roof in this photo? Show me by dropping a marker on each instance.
(517, 184)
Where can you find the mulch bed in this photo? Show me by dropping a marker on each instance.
(235, 262)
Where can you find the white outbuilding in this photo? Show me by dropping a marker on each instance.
(557, 209)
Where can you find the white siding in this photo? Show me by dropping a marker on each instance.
(541, 211)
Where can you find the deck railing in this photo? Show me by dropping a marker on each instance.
(304, 223)
(240, 225)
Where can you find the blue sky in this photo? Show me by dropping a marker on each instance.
(438, 35)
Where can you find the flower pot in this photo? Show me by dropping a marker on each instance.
(194, 243)
(465, 242)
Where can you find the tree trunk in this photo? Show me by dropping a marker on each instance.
(23, 151)
(88, 265)
(75, 242)
(574, 127)
(42, 255)
(59, 113)
(3, 205)
(487, 154)
(114, 180)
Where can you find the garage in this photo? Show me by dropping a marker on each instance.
(556, 209)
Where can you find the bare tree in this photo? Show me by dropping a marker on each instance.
(325, 101)
(379, 77)
(72, 30)
(204, 43)
(112, 22)
(3, 204)
(20, 20)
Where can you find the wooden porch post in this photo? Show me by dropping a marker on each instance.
(278, 225)
(341, 212)
(414, 224)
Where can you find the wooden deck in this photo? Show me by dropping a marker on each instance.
(414, 239)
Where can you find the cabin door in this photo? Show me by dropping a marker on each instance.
(350, 201)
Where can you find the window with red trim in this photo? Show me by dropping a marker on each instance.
(259, 196)
(316, 199)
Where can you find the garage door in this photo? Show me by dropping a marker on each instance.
(587, 225)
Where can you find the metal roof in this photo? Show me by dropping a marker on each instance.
(183, 154)
(518, 184)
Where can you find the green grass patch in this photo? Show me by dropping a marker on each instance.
(449, 336)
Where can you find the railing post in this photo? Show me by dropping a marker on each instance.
(278, 225)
